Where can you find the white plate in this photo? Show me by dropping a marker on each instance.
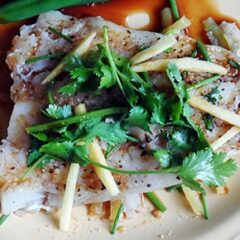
(178, 223)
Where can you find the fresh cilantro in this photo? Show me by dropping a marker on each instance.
(33, 156)
(213, 96)
(169, 50)
(69, 89)
(72, 62)
(187, 113)
(138, 116)
(181, 110)
(40, 136)
(163, 156)
(208, 122)
(180, 90)
(212, 169)
(57, 149)
(67, 151)
(180, 141)
(58, 112)
(106, 77)
(111, 133)
(155, 103)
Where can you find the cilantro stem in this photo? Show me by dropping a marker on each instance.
(44, 57)
(117, 218)
(76, 119)
(193, 53)
(174, 8)
(111, 150)
(110, 59)
(132, 172)
(205, 208)
(3, 218)
(173, 188)
(234, 64)
(203, 50)
(65, 37)
(32, 168)
(156, 201)
(50, 97)
(204, 82)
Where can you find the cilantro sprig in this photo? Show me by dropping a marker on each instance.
(184, 150)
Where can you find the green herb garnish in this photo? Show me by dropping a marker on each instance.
(234, 64)
(117, 218)
(213, 96)
(203, 82)
(58, 33)
(208, 122)
(156, 201)
(205, 208)
(212, 169)
(76, 119)
(203, 50)
(55, 111)
(3, 218)
(174, 8)
(22, 9)
(45, 57)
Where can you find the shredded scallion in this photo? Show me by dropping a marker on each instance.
(174, 8)
(203, 50)
(205, 208)
(204, 82)
(117, 218)
(153, 197)
(3, 218)
(67, 38)
(234, 64)
(45, 57)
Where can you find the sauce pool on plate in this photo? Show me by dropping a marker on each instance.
(123, 12)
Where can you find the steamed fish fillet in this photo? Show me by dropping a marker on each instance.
(45, 187)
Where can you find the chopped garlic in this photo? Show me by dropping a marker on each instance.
(137, 20)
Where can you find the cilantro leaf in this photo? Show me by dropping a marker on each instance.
(33, 156)
(187, 113)
(155, 103)
(67, 151)
(180, 89)
(210, 168)
(72, 62)
(213, 96)
(208, 122)
(163, 156)
(58, 112)
(70, 89)
(60, 150)
(40, 136)
(138, 116)
(81, 155)
(112, 133)
(106, 77)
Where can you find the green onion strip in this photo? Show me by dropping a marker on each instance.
(174, 8)
(117, 218)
